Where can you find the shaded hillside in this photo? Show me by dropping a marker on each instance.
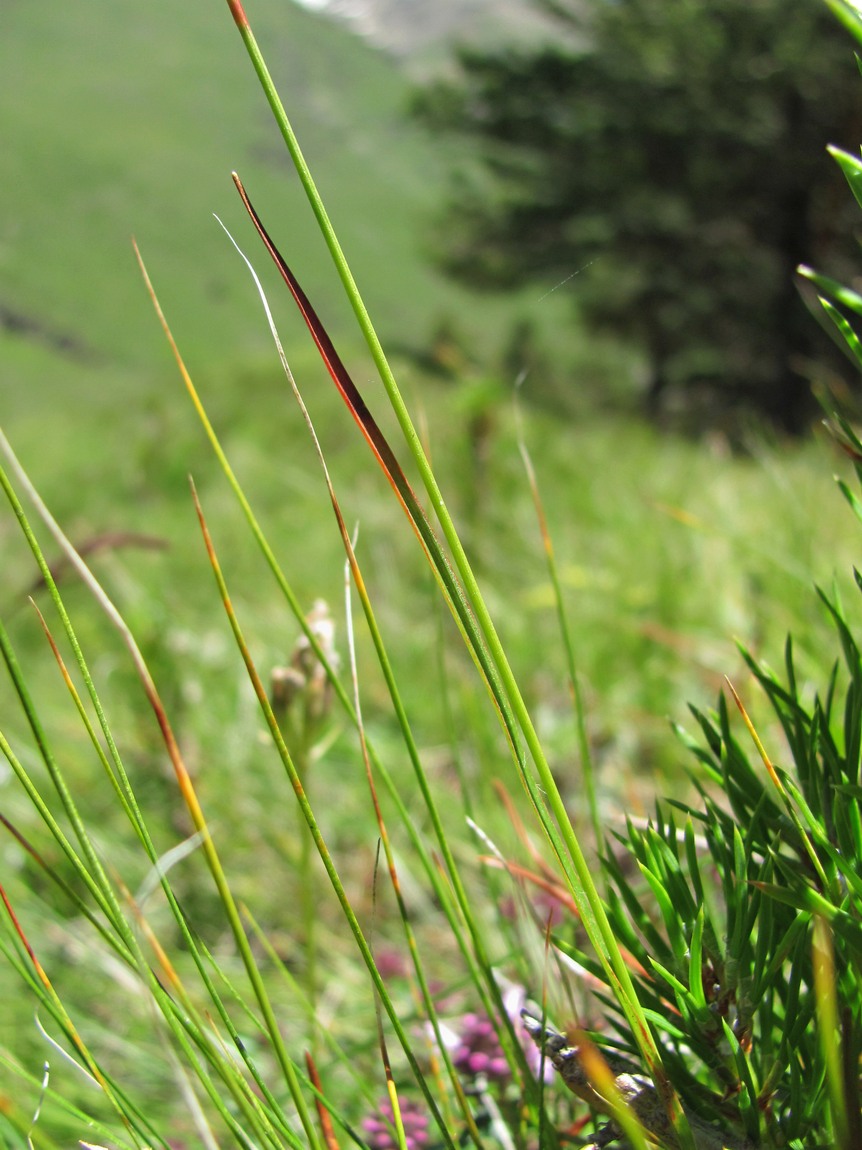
(119, 119)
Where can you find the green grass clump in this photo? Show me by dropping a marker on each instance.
(288, 877)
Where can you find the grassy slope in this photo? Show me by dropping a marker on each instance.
(130, 124)
(120, 119)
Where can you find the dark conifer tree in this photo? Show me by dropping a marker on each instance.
(680, 145)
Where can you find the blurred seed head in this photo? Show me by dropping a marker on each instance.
(305, 679)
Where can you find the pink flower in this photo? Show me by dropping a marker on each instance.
(479, 1052)
(380, 1126)
(475, 1046)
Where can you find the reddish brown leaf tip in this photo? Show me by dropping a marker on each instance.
(236, 9)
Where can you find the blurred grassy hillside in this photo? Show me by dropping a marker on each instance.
(120, 118)
(123, 119)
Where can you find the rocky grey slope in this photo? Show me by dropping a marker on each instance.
(422, 28)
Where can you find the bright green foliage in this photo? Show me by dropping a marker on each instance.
(718, 908)
(673, 151)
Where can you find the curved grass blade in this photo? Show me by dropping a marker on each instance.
(477, 960)
(45, 989)
(849, 15)
(428, 864)
(175, 1015)
(484, 644)
(454, 592)
(572, 859)
(311, 820)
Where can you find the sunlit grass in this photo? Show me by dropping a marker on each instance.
(218, 978)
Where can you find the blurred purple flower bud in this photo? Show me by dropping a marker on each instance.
(479, 1051)
(380, 1126)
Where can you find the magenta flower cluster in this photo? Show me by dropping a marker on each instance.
(479, 1052)
(380, 1127)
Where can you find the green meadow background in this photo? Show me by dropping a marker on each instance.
(120, 119)
(124, 120)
